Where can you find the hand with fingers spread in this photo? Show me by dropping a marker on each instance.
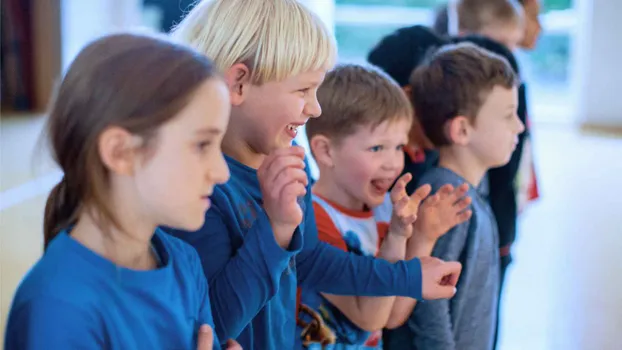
(442, 211)
(283, 179)
(405, 208)
(205, 340)
(439, 278)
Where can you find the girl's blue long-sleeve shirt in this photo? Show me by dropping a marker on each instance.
(75, 299)
(253, 280)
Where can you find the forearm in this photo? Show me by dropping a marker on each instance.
(372, 313)
(417, 246)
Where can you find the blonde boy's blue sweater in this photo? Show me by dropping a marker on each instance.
(253, 280)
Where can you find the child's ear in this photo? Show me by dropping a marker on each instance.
(117, 149)
(238, 80)
(321, 149)
(459, 130)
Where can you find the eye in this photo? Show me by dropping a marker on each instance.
(201, 146)
(400, 147)
(376, 148)
(304, 91)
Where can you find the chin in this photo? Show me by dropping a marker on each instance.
(374, 201)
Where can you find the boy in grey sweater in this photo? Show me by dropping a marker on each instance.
(466, 100)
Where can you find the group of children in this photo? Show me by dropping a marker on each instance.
(186, 218)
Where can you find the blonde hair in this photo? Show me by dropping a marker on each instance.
(276, 39)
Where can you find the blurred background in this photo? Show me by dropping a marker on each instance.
(562, 290)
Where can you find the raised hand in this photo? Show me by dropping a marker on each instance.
(439, 278)
(442, 211)
(282, 180)
(405, 208)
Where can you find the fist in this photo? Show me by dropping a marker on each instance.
(282, 180)
(439, 278)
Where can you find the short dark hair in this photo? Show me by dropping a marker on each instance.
(354, 95)
(454, 81)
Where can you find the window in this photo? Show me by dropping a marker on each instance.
(359, 25)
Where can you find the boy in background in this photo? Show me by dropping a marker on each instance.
(466, 100)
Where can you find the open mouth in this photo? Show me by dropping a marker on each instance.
(381, 186)
(292, 129)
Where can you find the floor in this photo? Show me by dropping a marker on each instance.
(561, 289)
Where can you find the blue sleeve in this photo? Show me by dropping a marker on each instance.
(432, 321)
(49, 323)
(325, 268)
(240, 280)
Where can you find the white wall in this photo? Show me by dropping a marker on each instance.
(83, 21)
(597, 62)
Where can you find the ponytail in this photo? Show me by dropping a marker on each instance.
(61, 211)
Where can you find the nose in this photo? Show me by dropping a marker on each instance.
(520, 126)
(313, 108)
(218, 172)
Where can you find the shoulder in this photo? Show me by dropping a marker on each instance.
(60, 275)
(438, 177)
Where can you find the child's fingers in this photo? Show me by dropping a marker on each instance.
(421, 193)
(462, 204)
(462, 217)
(287, 176)
(445, 190)
(205, 340)
(290, 156)
(399, 189)
(292, 191)
(461, 191)
(278, 165)
(410, 219)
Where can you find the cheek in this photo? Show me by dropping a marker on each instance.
(357, 169)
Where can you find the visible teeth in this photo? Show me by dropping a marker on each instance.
(293, 127)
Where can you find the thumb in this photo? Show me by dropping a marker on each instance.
(445, 292)
(449, 273)
(205, 340)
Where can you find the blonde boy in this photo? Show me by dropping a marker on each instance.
(260, 239)
(358, 146)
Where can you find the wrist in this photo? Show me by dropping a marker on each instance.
(282, 233)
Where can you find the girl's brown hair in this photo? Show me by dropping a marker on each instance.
(130, 81)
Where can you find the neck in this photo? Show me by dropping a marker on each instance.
(330, 190)
(236, 146)
(130, 250)
(463, 163)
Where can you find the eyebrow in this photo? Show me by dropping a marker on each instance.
(209, 131)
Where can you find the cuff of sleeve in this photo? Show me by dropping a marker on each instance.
(415, 279)
(274, 255)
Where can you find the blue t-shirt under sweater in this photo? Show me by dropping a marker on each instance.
(467, 321)
(253, 280)
(74, 298)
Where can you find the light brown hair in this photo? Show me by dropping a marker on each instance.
(130, 81)
(354, 96)
(455, 81)
(474, 15)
